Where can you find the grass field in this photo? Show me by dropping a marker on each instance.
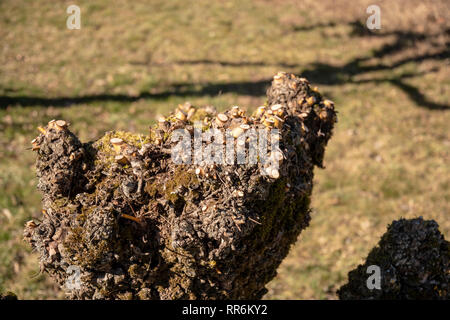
(133, 60)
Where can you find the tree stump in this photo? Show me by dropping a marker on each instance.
(413, 259)
(133, 224)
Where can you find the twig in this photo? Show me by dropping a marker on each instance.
(254, 221)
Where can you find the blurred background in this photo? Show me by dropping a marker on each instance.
(134, 60)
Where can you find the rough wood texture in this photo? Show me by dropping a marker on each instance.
(144, 227)
(413, 257)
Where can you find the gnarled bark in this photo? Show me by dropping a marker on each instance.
(139, 226)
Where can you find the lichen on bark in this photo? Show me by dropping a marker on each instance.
(413, 259)
(139, 226)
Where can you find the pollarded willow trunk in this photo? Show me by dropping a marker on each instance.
(138, 225)
(411, 261)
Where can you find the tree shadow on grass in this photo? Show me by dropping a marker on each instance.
(319, 73)
(337, 75)
(252, 88)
